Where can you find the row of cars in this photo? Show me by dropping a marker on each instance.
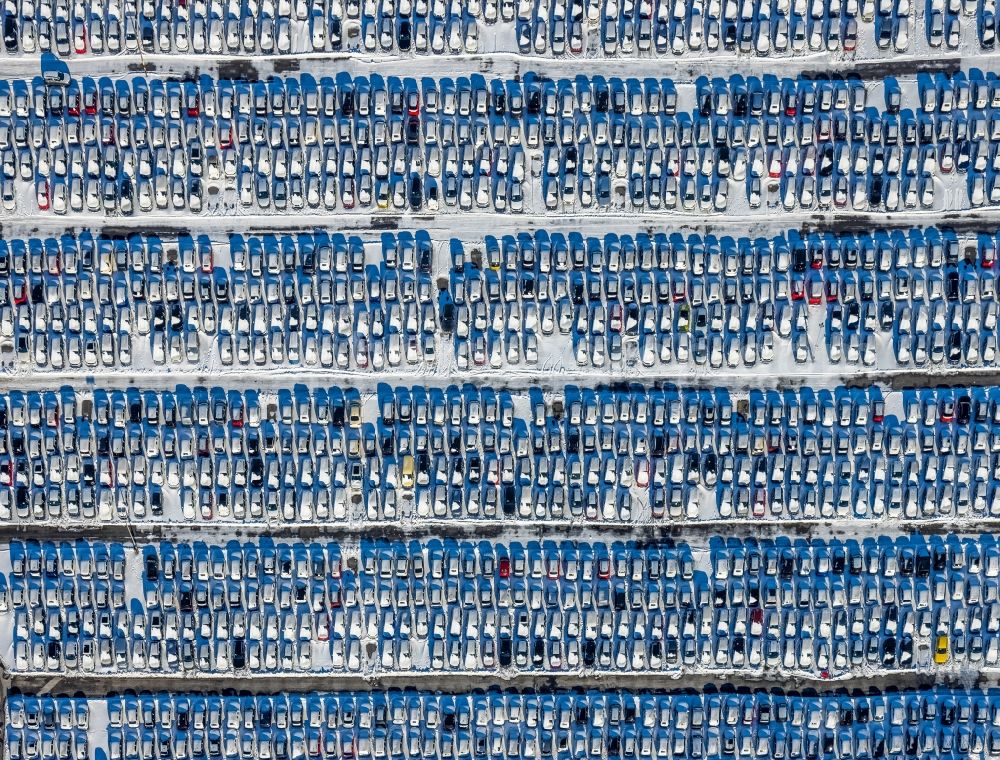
(131, 146)
(941, 723)
(556, 28)
(85, 28)
(625, 301)
(924, 297)
(817, 609)
(208, 455)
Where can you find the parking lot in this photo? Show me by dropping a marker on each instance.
(820, 610)
(334, 458)
(655, 306)
(559, 379)
(496, 724)
(722, 146)
(718, 147)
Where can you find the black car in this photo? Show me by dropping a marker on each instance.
(505, 651)
(963, 410)
(875, 192)
(10, 33)
(413, 131)
(952, 288)
(416, 192)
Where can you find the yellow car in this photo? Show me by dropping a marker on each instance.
(941, 650)
(408, 472)
(354, 414)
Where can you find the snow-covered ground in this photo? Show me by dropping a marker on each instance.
(496, 55)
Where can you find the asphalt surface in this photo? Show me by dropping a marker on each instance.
(696, 533)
